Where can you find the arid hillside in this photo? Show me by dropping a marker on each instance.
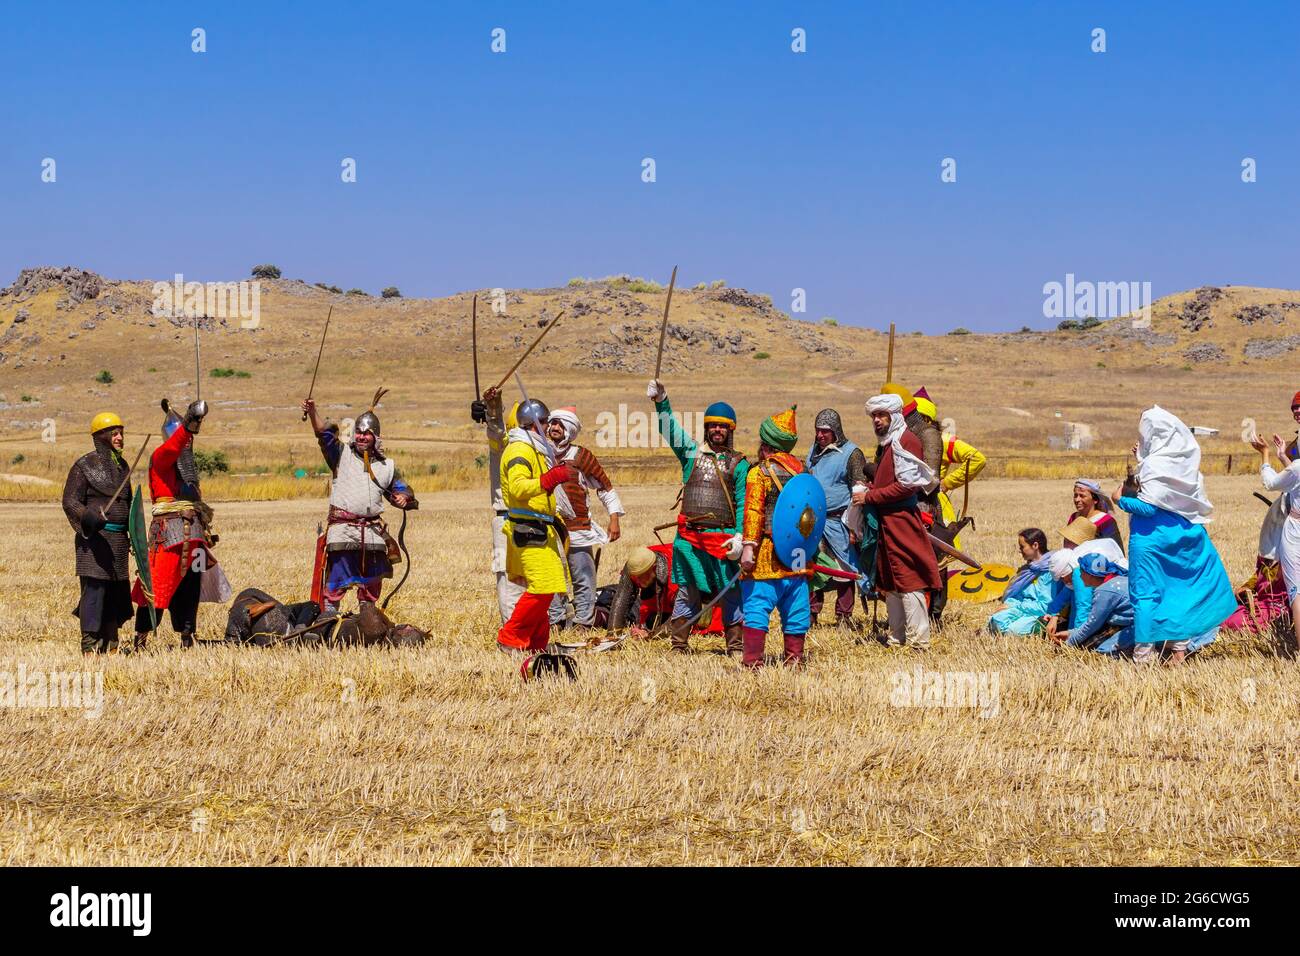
(1042, 402)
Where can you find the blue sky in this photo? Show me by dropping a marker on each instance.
(775, 170)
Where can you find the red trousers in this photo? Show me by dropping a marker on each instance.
(529, 626)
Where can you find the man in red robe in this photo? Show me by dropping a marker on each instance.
(906, 569)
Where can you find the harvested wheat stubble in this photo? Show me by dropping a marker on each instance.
(441, 755)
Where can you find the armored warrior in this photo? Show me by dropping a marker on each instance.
(180, 535)
(841, 468)
(532, 488)
(358, 550)
(101, 546)
(770, 584)
(708, 525)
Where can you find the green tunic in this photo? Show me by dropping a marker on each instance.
(691, 565)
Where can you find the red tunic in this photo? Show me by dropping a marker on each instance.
(164, 479)
(168, 565)
(905, 558)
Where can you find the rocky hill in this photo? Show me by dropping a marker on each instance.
(72, 342)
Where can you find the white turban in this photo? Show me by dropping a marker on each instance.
(909, 471)
(885, 403)
(568, 417)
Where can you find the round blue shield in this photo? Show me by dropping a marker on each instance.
(798, 520)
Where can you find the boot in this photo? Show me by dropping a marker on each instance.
(679, 629)
(89, 642)
(794, 650)
(187, 638)
(755, 641)
(734, 636)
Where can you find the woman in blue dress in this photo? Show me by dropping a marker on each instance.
(1024, 603)
(1177, 582)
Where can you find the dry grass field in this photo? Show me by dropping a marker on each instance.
(441, 755)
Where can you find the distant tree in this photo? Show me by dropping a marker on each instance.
(266, 271)
(960, 331)
(1025, 328)
(829, 321)
(391, 293)
(1068, 325)
(358, 292)
(105, 377)
(1090, 322)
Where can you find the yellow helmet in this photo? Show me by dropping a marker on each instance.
(512, 420)
(926, 408)
(105, 420)
(889, 388)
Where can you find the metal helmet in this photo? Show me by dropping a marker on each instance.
(367, 422)
(171, 422)
(533, 414)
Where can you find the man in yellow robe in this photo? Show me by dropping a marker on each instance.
(531, 488)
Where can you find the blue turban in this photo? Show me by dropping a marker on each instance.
(1099, 565)
(720, 412)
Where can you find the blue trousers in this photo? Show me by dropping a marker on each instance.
(789, 596)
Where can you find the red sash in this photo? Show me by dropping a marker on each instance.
(713, 543)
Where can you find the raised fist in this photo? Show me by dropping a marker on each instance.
(655, 391)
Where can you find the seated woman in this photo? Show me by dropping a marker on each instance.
(1177, 582)
(1026, 598)
(1093, 507)
(1108, 628)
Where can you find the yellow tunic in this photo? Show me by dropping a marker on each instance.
(537, 566)
(759, 486)
(961, 463)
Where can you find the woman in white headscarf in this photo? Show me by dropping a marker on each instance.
(1180, 590)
